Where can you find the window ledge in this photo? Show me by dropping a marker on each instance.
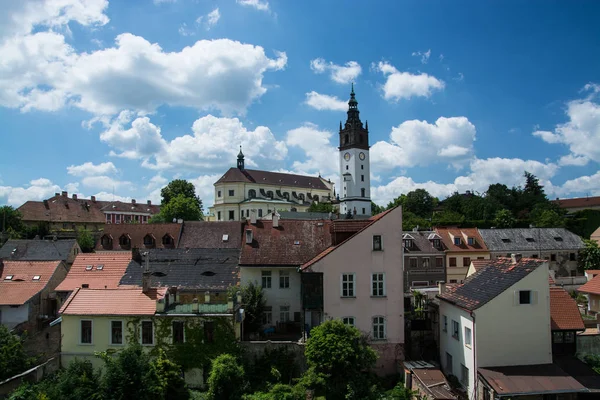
(378, 297)
(379, 340)
(117, 344)
(86, 344)
(348, 297)
(468, 346)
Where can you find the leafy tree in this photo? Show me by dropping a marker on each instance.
(410, 221)
(549, 219)
(10, 219)
(169, 379)
(226, 380)
(179, 207)
(398, 201)
(339, 358)
(180, 187)
(78, 381)
(448, 218)
(504, 219)
(13, 359)
(254, 302)
(420, 202)
(376, 209)
(321, 207)
(85, 240)
(589, 257)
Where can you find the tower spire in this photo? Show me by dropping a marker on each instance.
(240, 159)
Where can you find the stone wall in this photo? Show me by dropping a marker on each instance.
(588, 344)
(32, 375)
(253, 350)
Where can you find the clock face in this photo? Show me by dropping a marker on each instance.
(347, 156)
(361, 156)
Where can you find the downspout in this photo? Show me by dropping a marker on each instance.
(476, 374)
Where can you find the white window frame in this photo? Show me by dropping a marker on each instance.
(284, 314)
(425, 262)
(349, 321)
(350, 293)
(117, 218)
(380, 242)
(173, 331)
(267, 317)
(382, 323)
(266, 277)
(91, 321)
(284, 279)
(142, 332)
(378, 291)
(468, 336)
(533, 297)
(110, 336)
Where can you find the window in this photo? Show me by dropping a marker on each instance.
(284, 313)
(108, 219)
(266, 279)
(439, 262)
(284, 279)
(267, 317)
(118, 218)
(453, 261)
(38, 277)
(464, 375)
(260, 212)
(453, 281)
(466, 261)
(445, 323)
(86, 331)
(557, 337)
(552, 257)
(362, 167)
(572, 257)
(378, 284)
(346, 167)
(124, 241)
(533, 256)
(348, 321)
(378, 328)
(408, 243)
(467, 336)
(449, 363)
(524, 296)
(218, 193)
(167, 240)
(106, 241)
(412, 262)
(348, 283)
(569, 337)
(218, 215)
(471, 241)
(377, 245)
(362, 192)
(505, 240)
(231, 215)
(426, 262)
(116, 332)
(420, 283)
(530, 239)
(362, 178)
(364, 211)
(437, 243)
(231, 193)
(251, 193)
(558, 238)
(148, 240)
(209, 331)
(147, 333)
(178, 332)
(457, 241)
(455, 329)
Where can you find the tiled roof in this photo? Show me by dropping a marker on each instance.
(37, 250)
(307, 215)
(592, 286)
(211, 235)
(113, 267)
(272, 178)
(463, 234)
(122, 301)
(564, 312)
(580, 202)
(120, 206)
(294, 242)
(421, 243)
(530, 239)
(489, 282)
(479, 264)
(349, 225)
(63, 209)
(22, 286)
(197, 269)
(434, 380)
(136, 234)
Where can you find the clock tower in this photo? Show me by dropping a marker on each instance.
(355, 191)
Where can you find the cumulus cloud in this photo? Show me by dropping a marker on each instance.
(424, 55)
(325, 102)
(404, 85)
(587, 185)
(90, 169)
(573, 160)
(257, 4)
(38, 189)
(338, 73)
(319, 155)
(212, 18)
(103, 182)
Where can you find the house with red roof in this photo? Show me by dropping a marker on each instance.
(592, 290)
(565, 322)
(27, 299)
(461, 245)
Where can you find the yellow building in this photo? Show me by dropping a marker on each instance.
(462, 245)
(241, 190)
(97, 320)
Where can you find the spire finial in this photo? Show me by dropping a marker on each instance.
(352, 92)
(240, 159)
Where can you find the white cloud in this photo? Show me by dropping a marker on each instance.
(573, 160)
(547, 137)
(404, 85)
(89, 169)
(38, 189)
(157, 182)
(319, 155)
(185, 31)
(325, 102)
(110, 196)
(338, 73)
(212, 18)
(205, 189)
(257, 4)
(424, 55)
(586, 185)
(413, 143)
(103, 182)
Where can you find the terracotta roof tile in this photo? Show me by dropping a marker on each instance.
(421, 243)
(463, 234)
(564, 312)
(479, 264)
(114, 266)
(136, 234)
(22, 286)
(122, 301)
(62, 209)
(580, 202)
(592, 286)
(120, 206)
(210, 235)
(349, 225)
(272, 178)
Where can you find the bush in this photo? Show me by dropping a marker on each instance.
(13, 359)
(226, 380)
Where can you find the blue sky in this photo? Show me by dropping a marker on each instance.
(114, 99)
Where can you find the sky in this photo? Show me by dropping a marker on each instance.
(117, 98)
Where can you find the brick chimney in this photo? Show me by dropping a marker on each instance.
(46, 204)
(65, 194)
(442, 287)
(275, 219)
(74, 196)
(132, 201)
(93, 198)
(146, 274)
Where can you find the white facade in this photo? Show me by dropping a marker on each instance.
(12, 316)
(355, 191)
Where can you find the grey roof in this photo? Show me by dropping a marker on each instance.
(306, 215)
(211, 235)
(193, 269)
(421, 244)
(489, 282)
(530, 239)
(37, 250)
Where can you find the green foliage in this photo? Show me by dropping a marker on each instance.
(584, 222)
(399, 392)
(169, 379)
(226, 380)
(85, 240)
(271, 367)
(253, 301)
(376, 209)
(504, 219)
(589, 257)
(448, 218)
(420, 202)
(13, 359)
(321, 207)
(410, 221)
(179, 207)
(339, 359)
(179, 187)
(549, 219)
(593, 360)
(278, 392)
(10, 221)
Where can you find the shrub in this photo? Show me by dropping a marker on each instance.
(226, 380)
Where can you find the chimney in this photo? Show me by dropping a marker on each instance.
(207, 297)
(136, 255)
(74, 196)
(93, 199)
(65, 194)
(146, 274)
(515, 258)
(442, 287)
(253, 217)
(46, 204)
(276, 219)
(132, 201)
(149, 202)
(56, 194)
(195, 306)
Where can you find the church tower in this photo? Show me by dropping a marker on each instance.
(355, 191)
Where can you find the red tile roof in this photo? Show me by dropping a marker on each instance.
(592, 286)
(580, 202)
(272, 178)
(136, 234)
(22, 286)
(63, 209)
(463, 234)
(123, 301)
(478, 264)
(564, 312)
(349, 225)
(120, 206)
(294, 242)
(592, 272)
(114, 266)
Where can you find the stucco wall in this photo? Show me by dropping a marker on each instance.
(459, 272)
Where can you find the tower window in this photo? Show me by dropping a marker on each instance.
(362, 167)
(362, 192)
(362, 178)
(361, 138)
(346, 139)
(346, 168)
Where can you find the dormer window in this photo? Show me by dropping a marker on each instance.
(167, 240)
(437, 243)
(106, 242)
(251, 194)
(408, 244)
(505, 240)
(99, 267)
(149, 240)
(558, 238)
(249, 236)
(89, 267)
(471, 241)
(125, 241)
(457, 241)
(530, 239)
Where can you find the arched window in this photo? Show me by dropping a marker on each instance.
(270, 194)
(106, 242)
(149, 240)
(251, 194)
(346, 139)
(362, 192)
(125, 241)
(286, 195)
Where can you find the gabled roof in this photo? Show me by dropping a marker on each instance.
(211, 235)
(421, 243)
(193, 269)
(564, 312)
(448, 233)
(85, 271)
(349, 225)
(272, 178)
(479, 264)
(592, 286)
(530, 239)
(137, 232)
(27, 278)
(579, 202)
(62, 209)
(123, 301)
(37, 250)
(293, 243)
(489, 282)
(120, 206)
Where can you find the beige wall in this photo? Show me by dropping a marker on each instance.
(459, 272)
(593, 302)
(596, 236)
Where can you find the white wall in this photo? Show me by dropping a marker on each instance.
(276, 296)
(12, 316)
(355, 184)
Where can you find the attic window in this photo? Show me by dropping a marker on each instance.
(208, 273)
(558, 238)
(296, 242)
(159, 274)
(8, 278)
(100, 267)
(249, 237)
(457, 241)
(530, 239)
(505, 240)
(36, 278)
(225, 238)
(89, 267)
(85, 286)
(471, 241)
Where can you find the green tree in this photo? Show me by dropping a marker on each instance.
(179, 207)
(77, 381)
(226, 380)
(448, 218)
(169, 379)
(339, 360)
(410, 221)
(11, 222)
(180, 187)
(254, 302)
(13, 359)
(504, 219)
(376, 209)
(398, 201)
(321, 207)
(420, 202)
(589, 257)
(85, 240)
(548, 219)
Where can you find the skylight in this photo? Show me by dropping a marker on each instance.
(530, 239)
(558, 238)
(36, 278)
(89, 267)
(100, 267)
(505, 240)
(296, 242)
(225, 237)
(8, 278)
